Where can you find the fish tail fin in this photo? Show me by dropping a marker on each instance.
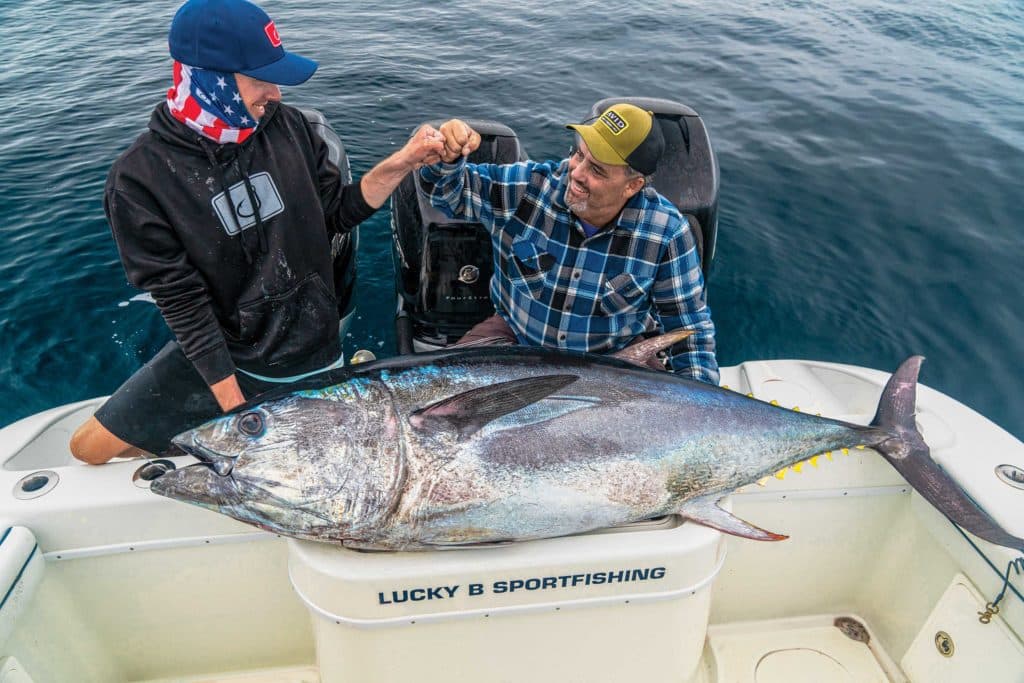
(896, 410)
(907, 452)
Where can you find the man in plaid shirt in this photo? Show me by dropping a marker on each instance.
(588, 256)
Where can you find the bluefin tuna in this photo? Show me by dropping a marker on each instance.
(485, 445)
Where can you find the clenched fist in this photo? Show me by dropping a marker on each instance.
(459, 140)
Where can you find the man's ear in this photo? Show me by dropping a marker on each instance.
(635, 184)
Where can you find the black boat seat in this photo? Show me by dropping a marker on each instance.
(688, 175)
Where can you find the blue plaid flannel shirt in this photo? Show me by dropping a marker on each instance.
(556, 287)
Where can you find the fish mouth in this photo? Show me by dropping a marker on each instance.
(208, 483)
(219, 463)
(212, 481)
(247, 501)
(198, 484)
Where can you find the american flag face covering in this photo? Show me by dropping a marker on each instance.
(208, 102)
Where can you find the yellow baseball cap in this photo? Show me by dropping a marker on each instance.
(624, 135)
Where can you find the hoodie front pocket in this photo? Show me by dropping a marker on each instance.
(285, 329)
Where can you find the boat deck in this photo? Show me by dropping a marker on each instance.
(839, 649)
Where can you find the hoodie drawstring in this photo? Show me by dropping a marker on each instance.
(260, 230)
(250, 192)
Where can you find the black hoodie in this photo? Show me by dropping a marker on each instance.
(258, 298)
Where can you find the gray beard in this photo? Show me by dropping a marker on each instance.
(576, 207)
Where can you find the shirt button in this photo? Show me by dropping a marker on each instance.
(576, 275)
(561, 337)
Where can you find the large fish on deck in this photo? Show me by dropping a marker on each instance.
(476, 446)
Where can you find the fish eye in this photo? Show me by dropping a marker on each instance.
(251, 424)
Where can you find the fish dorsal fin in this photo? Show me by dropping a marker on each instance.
(705, 510)
(467, 412)
(645, 351)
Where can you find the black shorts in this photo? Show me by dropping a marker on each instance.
(165, 397)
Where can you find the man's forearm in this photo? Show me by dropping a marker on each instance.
(695, 356)
(422, 148)
(443, 185)
(487, 193)
(700, 365)
(378, 184)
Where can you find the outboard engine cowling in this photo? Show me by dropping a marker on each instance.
(443, 266)
(343, 247)
(687, 174)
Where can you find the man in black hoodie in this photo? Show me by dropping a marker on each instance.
(224, 211)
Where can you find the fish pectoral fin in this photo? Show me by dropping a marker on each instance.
(469, 411)
(643, 352)
(705, 511)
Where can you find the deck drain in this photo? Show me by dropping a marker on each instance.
(154, 469)
(36, 484)
(1011, 475)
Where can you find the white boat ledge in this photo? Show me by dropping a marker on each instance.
(104, 581)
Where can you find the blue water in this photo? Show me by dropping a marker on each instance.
(872, 158)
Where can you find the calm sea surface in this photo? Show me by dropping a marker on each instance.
(872, 158)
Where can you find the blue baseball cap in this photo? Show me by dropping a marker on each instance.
(234, 36)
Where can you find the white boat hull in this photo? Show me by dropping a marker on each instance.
(127, 586)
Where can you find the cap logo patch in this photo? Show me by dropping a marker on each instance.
(615, 123)
(271, 32)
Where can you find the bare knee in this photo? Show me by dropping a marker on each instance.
(94, 444)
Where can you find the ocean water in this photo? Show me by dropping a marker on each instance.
(872, 157)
